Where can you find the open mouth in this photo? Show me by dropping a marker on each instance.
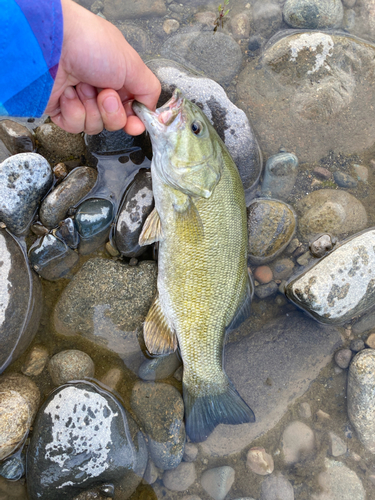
(164, 115)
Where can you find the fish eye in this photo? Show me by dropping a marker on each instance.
(196, 127)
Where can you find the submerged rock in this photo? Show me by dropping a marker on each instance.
(16, 137)
(280, 174)
(259, 461)
(320, 246)
(313, 14)
(297, 442)
(218, 481)
(93, 220)
(338, 482)
(275, 487)
(70, 365)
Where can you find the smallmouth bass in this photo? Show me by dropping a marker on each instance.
(204, 289)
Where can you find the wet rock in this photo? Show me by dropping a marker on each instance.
(330, 211)
(93, 219)
(107, 302)
(180, 478)
(339, 286)
(263, 274)
(264, 291)
(259, 461)
(13, 468)
(343, 357)
(306, 71)
(70, 365)
(16, 137)
(68, 233)
(344, 180)
(282, 269)
(357, 345)
(365, 323)
(304, 259)
(218, 481)
(337, 447)
(280, 175)
(229, 121)
(136, 207)
(170, 26)
(138, 38)
(19, 400)
(267, 18)
(160, 410)
(370, 341)
(118, 10)
(20, 298)
(313, 14)
(151, 473)
(67, 194)
(338, 482)
(364, 25)
(24, 180)
(55, 143)
(240, 26)
(321, 245)
(35, 362)
(271, 226)
(361, 397)
(278, 352)
(190, 452)
(298, 441)
(275, 487)
(159, 367)
(206, 18)
(108, 448)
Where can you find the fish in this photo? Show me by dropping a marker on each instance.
(203, 288)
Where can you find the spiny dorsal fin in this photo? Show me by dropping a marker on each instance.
(151, 230)
(158, 336)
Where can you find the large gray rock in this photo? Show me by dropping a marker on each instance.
(56, 144)
(290, 351)
(16, 137)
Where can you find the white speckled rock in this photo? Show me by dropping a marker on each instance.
(361, 397)
(218, 481)
(298, 440)
(341, 285)
(338, 482)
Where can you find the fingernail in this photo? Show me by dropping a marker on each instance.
(88, 90)
(69, 93)
(110, 104)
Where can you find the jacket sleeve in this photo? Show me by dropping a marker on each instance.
(30, 49)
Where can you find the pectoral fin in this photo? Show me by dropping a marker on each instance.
(159, 337)
(189, 221)
(152, 230)
(244, 308)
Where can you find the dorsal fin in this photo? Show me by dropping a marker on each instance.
(159, 337)
(243, 309)
(152, 230)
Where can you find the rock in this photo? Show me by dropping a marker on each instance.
(276, 487)
(361, 397)
(330, 211)
(190, 452)
(240, 26)
(282, 268)
(19, 400)
(322, 173)
(321, 245)
(343, 357)
(24, 180)
(13, 468)
(138, 38)
(111, 378)
(206, 18)
(337, 447)
(107, 302)
(159, 367)
(229, 121)
(68, 233)
(313, 14)
(344, 180)
(280, 175)
(264, 291)
(108, 448)
(305, 410)
(170, 26)
(160, 409)
(271, 226)
(68, 193)
(370, 341)
(338, 482)
(361, 172)
(279, 352)
(70, 365)
(365, 323)
(314, 93)
(151, 473)
(55, 143)
(298, 441)
(263, 274)
(218, 481)
(259, 461)
(364, 25)
(21, 300)
(322, 416)
(339, 286)
(180, 478)
(304, 259)
(60, 171)
(16, 137)
(357, 345)
(35, 362)
(117, 10)
(93, 219)
(267, 18)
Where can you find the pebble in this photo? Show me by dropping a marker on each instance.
(271, 226)
(305, 410)
(298, 441)
(160, 367)
(60, 171)
(321, 245)
(180, 478)
(344, 180)
(151, 473)
(304, 259)
(240, 26)
(264, 291)
(70, 365)
(13, 468)
(280, 175)
(35, 362)
(313, 14)
(56, 144)
(259, 461)
(322, 173)
(361, 172)
(357, 345)
(190, 452)
(16, 137)
(370, 341)
(38, 229)
(170, 26)
(24, 179)
(322, 416)
(338, 482)
(218, 481)
(343, 357)
(93, 220)
(361, 397)
(337, 447)
(275, 487)
(282, 268)
(160, 409)
(263, 274)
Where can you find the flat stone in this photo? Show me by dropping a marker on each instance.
(218, 481)
(180, 478)
(16, 137)
(305, 410)
(338, 482)
(70, 365)
(298, 441)
(190, 452)
(118, 10)
(313, 14)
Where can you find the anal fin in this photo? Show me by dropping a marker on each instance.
(152, 230)
(158, 336)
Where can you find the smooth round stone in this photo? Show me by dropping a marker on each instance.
(136, 207)
(305, 410)
(218, 481)
(24, 180)
(70, 365)
(298, 441)
(313, 14)
(275, 487)
(55, 143)
(35, 362)
(344, 180)
(73, 188)
(13, 468)
(361, 397)
(159, 367)
(280, 175)
(180, 478)
(93, 216)
(160, 409)
(343, 357)
(83, 437)
(263, 274)
(259, 461)
(321, 245)
(338, 482)
(361, 172)
(170, 26)
(20, 300)
(271, 226)
(330, 211)
(357, 345)
(16, 137)
(266, 290)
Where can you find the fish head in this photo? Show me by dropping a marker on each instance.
(186, 148)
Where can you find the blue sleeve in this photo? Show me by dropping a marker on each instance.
(30, 49)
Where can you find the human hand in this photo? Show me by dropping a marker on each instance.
(99, 76)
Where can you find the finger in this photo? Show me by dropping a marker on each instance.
(93, 121)
(134, 125)
(111, 109)
(72, 112)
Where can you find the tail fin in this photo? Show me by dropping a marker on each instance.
(204, 413)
